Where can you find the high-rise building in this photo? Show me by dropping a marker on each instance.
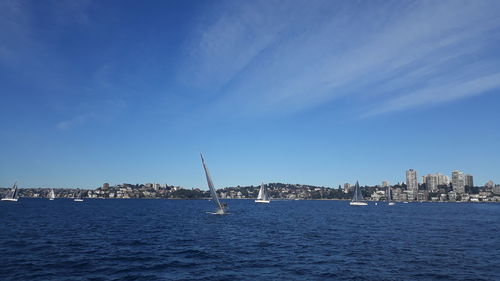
(431, 182)
(442, 179)
(105, 186)
(458, 182)
(469, 182)
(411, 181)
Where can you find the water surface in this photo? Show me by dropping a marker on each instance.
(285, 240)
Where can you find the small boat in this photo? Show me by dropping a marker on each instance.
(263, 196)
(406, 202)
(357, 199)
(221, 208)
(389, 197)
(52, 194)
(79, 196)
(12, 195)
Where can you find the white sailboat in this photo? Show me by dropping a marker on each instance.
(52, 194)
(221, 207)
(263, 196)
(357, 199)
(79, 197)
(389, 197)
(12, 195)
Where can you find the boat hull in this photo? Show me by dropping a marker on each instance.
(51, 199)
(358, 203)
(9, 199)
(78, 200)
(392, 204)
(262, 201)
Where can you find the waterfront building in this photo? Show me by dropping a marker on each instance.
(411, 195)
(458, 181)
(469, 182)
(443, 179)
(403, 196)
(431, 182)
(411, 181)
(422, 195)
(452, 196)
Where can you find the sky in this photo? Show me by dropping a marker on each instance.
(309, 92)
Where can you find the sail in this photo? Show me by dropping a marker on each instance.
(389, 194)
(12, 193)
(52, 195)
(79, 195)
(215, 199)
(358, 196)
(261, 195)
(266, 194)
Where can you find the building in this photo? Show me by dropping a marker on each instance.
(442, 179)
(411, 181)
(347, 187)
(496, 189)
(469, 182)
(458, 182)
(452, 196)
(431, 182)
(385, 183)
(105, 186)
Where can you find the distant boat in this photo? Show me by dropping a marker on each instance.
(52, 195)
(221, 207)
(389, 197)
(357, 199)
(12, 195)
(79, 197)
(263, 196)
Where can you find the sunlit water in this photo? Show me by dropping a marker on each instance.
(285, 240)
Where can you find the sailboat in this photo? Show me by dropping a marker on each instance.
(389, 197)
(52, 195)
(263, 196)
(12, 195)
(78, 196)
(221, 207)
(357, 199)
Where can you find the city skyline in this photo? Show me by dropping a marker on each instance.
(316, 92)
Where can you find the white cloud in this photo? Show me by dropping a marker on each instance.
(285, 57)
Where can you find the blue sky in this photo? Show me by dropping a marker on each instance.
(312, 92)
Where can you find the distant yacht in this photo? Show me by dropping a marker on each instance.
(263, 196)
(12, 195)
(79, 196)
(389, 197)
(221, 207)
(52, 194)
(357, 199)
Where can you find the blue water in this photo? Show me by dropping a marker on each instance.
(284, 240)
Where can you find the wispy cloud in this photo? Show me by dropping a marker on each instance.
(290, 56)
(74, 121)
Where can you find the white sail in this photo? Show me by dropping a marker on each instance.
(220, 208)
(79, 196)
(389, 196)
(52, 195)
(12, 194)
(263, 196)
(357, 199)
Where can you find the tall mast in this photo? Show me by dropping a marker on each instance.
(211, 185)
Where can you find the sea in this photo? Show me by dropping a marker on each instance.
(157, 239)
